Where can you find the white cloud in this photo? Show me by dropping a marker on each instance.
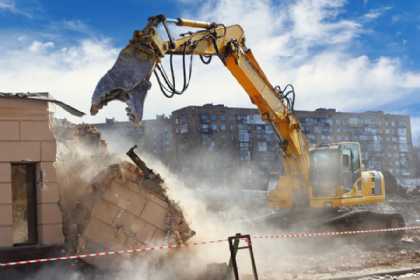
(10, 6)
(69, 74)
(76, 26)
(376, 13)
(38, 46)
(7, 5)
(302, 42)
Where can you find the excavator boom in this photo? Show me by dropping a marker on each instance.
(306, 182)
(328, 177)
(128, 81)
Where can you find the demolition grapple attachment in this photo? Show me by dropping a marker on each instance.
(127, 81)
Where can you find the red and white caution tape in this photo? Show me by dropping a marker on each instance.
(109, 253)
(332, 233)
(173, 246)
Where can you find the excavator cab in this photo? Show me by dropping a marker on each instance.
(335, 168)
(337, 179)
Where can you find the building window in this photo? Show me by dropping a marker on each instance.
(245, 155)
(204, 128)
(354, 121)
(262, 146)
(243, 136)
(183, 129)
(24, 204)
(402, 131)
(204, 117)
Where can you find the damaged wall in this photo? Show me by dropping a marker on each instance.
(109, 203)
(29, 209)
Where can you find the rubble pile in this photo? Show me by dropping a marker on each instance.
(125, 210)
(109, 203)
(393, 188)
(345, 259)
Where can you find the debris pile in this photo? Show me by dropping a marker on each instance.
(393, 188)
(123, 210)
(109, 203)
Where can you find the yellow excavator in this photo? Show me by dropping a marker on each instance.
(328, 178)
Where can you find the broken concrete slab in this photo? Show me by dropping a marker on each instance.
(109, 203)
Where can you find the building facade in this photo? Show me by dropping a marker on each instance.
(240, 133)
(29, 194)
(215, 141)
(222, 142)
(385, 139)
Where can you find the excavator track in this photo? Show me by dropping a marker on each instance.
(367, 220)
(349, 220)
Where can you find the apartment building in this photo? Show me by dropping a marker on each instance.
(215, 141)
(220, 142)
(240, 133)
(385, 139)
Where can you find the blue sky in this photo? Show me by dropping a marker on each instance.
(395, 32)
(353, 55)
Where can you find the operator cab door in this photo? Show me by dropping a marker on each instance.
(351, 166)
(346, 170)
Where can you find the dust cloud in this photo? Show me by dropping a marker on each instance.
(214, 212)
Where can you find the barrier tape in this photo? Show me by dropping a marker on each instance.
(109, 253)
(173, 246)
(332, 233)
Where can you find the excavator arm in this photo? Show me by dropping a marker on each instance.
(128, 81)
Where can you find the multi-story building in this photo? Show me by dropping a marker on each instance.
(240, 134)
(221, 142)
(215, 141)
(385, 139)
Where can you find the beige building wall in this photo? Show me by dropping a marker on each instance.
(25, 136)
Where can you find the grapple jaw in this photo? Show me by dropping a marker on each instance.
(127, 81)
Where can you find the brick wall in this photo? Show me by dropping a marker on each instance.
(25, 135)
